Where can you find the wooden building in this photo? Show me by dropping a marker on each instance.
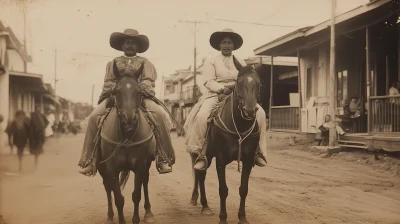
(367, 62)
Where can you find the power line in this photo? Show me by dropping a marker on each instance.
(259, 24)
(195, 22)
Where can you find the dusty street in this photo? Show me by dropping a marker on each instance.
(296, 187)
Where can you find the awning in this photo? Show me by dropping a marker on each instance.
(52, 98)
(29, 81)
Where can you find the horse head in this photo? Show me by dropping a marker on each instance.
(128, 96)
(247, 90)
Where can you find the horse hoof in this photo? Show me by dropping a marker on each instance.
(110, 222)
(206, 211)
(149, 218)
(193, 202)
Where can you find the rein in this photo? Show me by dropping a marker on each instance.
(246, 133)
(124, 143)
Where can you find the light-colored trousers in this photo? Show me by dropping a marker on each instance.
(195, 137)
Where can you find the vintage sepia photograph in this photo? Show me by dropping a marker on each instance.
(201, 111)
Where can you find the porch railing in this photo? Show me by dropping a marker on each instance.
(384, 114)
(285, 118)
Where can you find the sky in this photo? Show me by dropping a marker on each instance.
(80, 31)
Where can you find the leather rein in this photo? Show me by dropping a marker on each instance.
(241, 135)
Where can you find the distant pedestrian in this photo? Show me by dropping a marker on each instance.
(9, 136)
(19, 132)
(38, 125)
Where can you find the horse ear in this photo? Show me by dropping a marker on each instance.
(237, 63)
(116, 71)
(258, 67)
(138, 73)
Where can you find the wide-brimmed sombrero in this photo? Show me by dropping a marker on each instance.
(217, 37)
(117, 39)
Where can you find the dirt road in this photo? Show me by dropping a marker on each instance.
(296, 187)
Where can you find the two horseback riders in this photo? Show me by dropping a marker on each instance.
(128, 95)
(221, 74)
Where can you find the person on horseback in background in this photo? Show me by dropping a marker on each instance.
(220, 75)
(131, 43)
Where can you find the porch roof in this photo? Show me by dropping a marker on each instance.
(278, 61)
(28, 80)
(311, 36)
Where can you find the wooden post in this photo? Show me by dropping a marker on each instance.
(387, 75)
(271, 92)
(368, 73)
(299, 86)
(332, 92)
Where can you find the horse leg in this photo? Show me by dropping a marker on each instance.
(110, 213)
(136, 196)
(148, 216)
(203, 197)
(36, 160)
(243, 190)
(118, 197)
(195, 193)
(223, 192)
(20, 152)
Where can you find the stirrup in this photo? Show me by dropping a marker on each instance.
(158, 162)
(259, 154)
(205, 161)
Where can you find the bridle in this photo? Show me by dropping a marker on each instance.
(121, 116)
(239, 99)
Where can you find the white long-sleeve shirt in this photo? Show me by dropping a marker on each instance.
(217, 75)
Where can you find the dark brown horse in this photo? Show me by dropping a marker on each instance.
(127, 144)
(235, 117)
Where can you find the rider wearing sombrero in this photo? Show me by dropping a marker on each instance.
(220, 75)
(131, 43)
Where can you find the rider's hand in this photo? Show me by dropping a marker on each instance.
(144, 86)
(227, 91)
(221, 96)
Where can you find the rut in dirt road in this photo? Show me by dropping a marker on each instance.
(295, 187)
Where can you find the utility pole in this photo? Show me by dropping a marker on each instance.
(55, 83)
(332, 89)
(195, 22)
(25, 63)
(92, 96)
(55, 71)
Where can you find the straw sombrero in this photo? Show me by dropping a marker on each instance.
(117, 39)
(217, 37)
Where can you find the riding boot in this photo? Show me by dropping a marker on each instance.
(201, 161)
(260, 159)
(87, 171)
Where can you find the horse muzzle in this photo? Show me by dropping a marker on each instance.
(247, 113)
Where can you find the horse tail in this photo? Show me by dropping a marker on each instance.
(123, 178)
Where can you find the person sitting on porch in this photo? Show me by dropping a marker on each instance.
(324, 128)
(393, 89)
